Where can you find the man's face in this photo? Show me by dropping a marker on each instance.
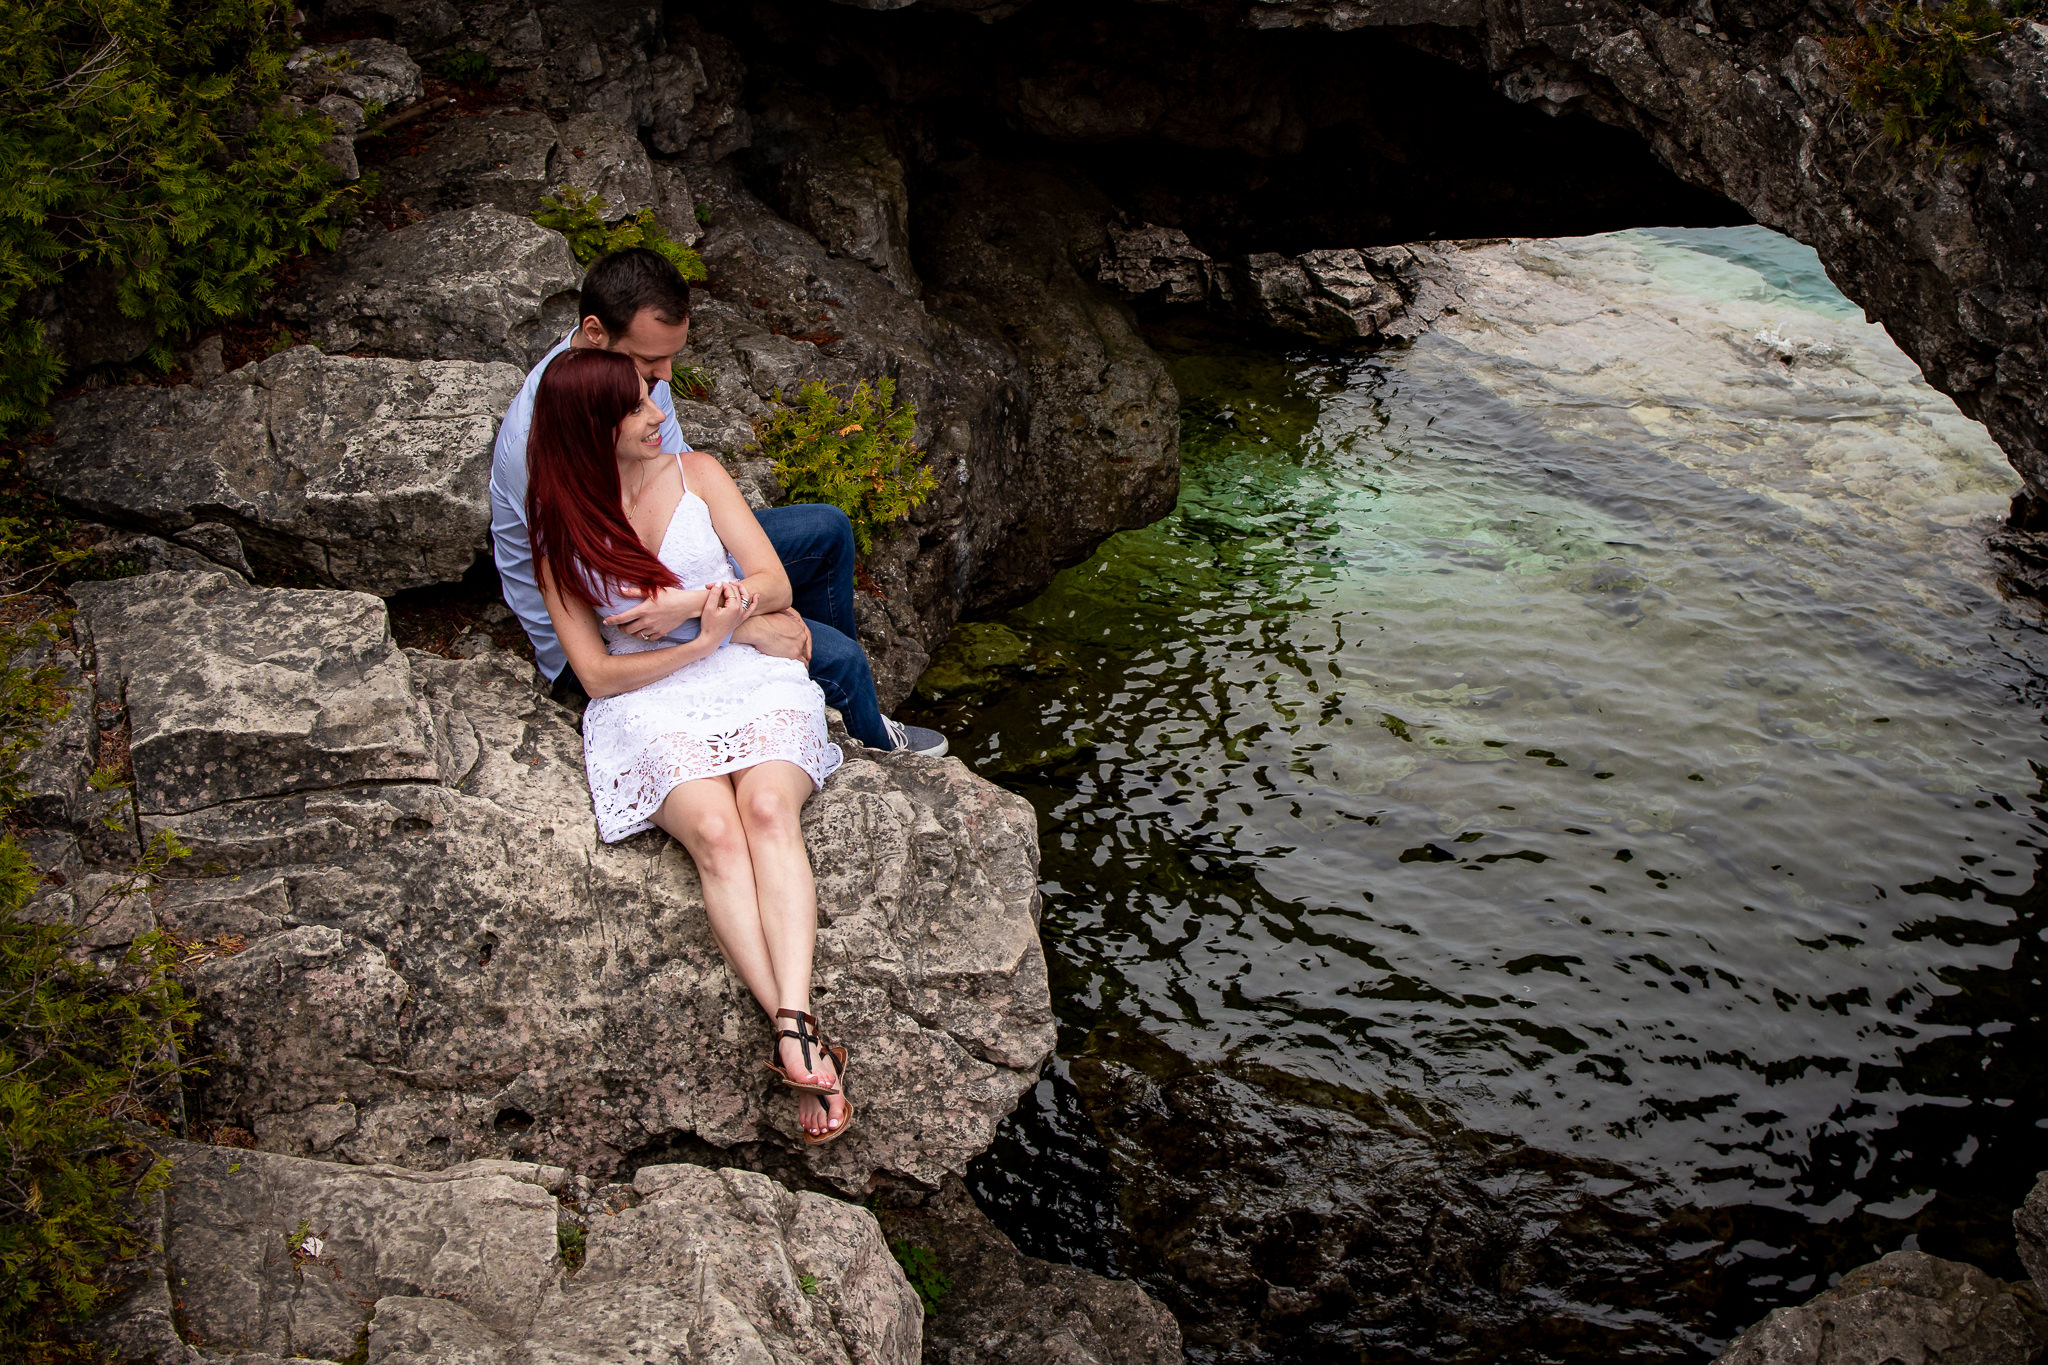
(651, 344)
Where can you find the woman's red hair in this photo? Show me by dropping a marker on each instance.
(574, 509)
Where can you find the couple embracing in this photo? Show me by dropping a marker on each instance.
(707, 639)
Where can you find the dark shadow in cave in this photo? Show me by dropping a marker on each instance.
(1276, 140)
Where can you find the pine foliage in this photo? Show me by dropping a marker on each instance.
(87, 1052)
(852, 448)
(151, 137)
(579, 215)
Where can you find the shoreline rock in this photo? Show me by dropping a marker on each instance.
(1909, 1306)
(441, 962)
(265, 1257)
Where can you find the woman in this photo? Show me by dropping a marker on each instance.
(716, 743)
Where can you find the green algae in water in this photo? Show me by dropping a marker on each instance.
(1645, 655)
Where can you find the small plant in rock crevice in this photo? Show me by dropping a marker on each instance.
(851, 447)
(921, 1267)
(1912, 66)
(578, 214)
(464, 67)
(573, 1242)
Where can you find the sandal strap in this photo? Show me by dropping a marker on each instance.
(803, 1039)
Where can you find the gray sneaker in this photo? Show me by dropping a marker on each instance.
(916, 738)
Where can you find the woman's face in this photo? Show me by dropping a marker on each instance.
(639, 435)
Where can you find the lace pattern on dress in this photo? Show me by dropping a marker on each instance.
(732, 709)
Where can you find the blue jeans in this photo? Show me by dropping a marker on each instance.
(815, 544)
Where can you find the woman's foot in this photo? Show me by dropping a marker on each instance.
(823, 1117)
(802, 1057)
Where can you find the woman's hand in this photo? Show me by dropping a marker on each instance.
(660, 614)
(724, 609)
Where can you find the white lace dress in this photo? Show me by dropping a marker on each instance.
(730, 710)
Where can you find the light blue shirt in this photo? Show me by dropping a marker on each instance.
(511, 541)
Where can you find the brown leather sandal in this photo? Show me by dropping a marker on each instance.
(806, 1033)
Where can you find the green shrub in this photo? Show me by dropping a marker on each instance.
(579, 216)
(921, 1268)
(466, 68)
(1911, 66)
(150, 137)
(86, 1055)
(852, 450)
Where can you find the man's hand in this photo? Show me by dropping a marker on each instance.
(778, 634)
(660, 614)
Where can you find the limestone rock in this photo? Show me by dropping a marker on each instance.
(1378, 294)
(54, 776)
(475, 284)
(1750, 105)
(437, 938)
(142, 553)
(1006, 247)
(252, 691)
(498, 160)
(606, 159)
(840, 181)
(612, 58)
(2030, 1222)
(365, 70)
(267, 1257)
(1157, 263)
(1008, 1309)
(364, 473)
(1909, 1307)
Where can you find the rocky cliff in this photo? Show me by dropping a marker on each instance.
(1743, 100)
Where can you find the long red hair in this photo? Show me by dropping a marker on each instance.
(574, 509)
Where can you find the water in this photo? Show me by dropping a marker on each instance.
(1577, 769)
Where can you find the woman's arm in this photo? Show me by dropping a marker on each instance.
(765, 582)
(604, 674)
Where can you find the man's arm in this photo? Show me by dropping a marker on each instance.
(779, 634)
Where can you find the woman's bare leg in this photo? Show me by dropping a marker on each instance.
(770, 799)
(704, 818)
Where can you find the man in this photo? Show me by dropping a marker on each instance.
(634, 302)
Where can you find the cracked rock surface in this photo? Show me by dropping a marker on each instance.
(475, 284)
(1909, 1307)
(360, 473)
(265, 1257)
(430, 931)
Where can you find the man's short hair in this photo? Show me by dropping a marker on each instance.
(617, 287)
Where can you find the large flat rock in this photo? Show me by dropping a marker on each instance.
(360, 473)
(446, 963)
(475, 284)
(266, 1257)
(252, 691)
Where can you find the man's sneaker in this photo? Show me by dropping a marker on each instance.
(915, 738)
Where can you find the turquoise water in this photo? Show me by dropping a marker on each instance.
(1597, 722)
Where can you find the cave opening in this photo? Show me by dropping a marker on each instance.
(1276, 140)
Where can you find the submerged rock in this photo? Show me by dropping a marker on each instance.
(477, 284)
(267, 1257)
(1003, 1308)
(435, 959)
(1910, 1308)
(361, 473)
